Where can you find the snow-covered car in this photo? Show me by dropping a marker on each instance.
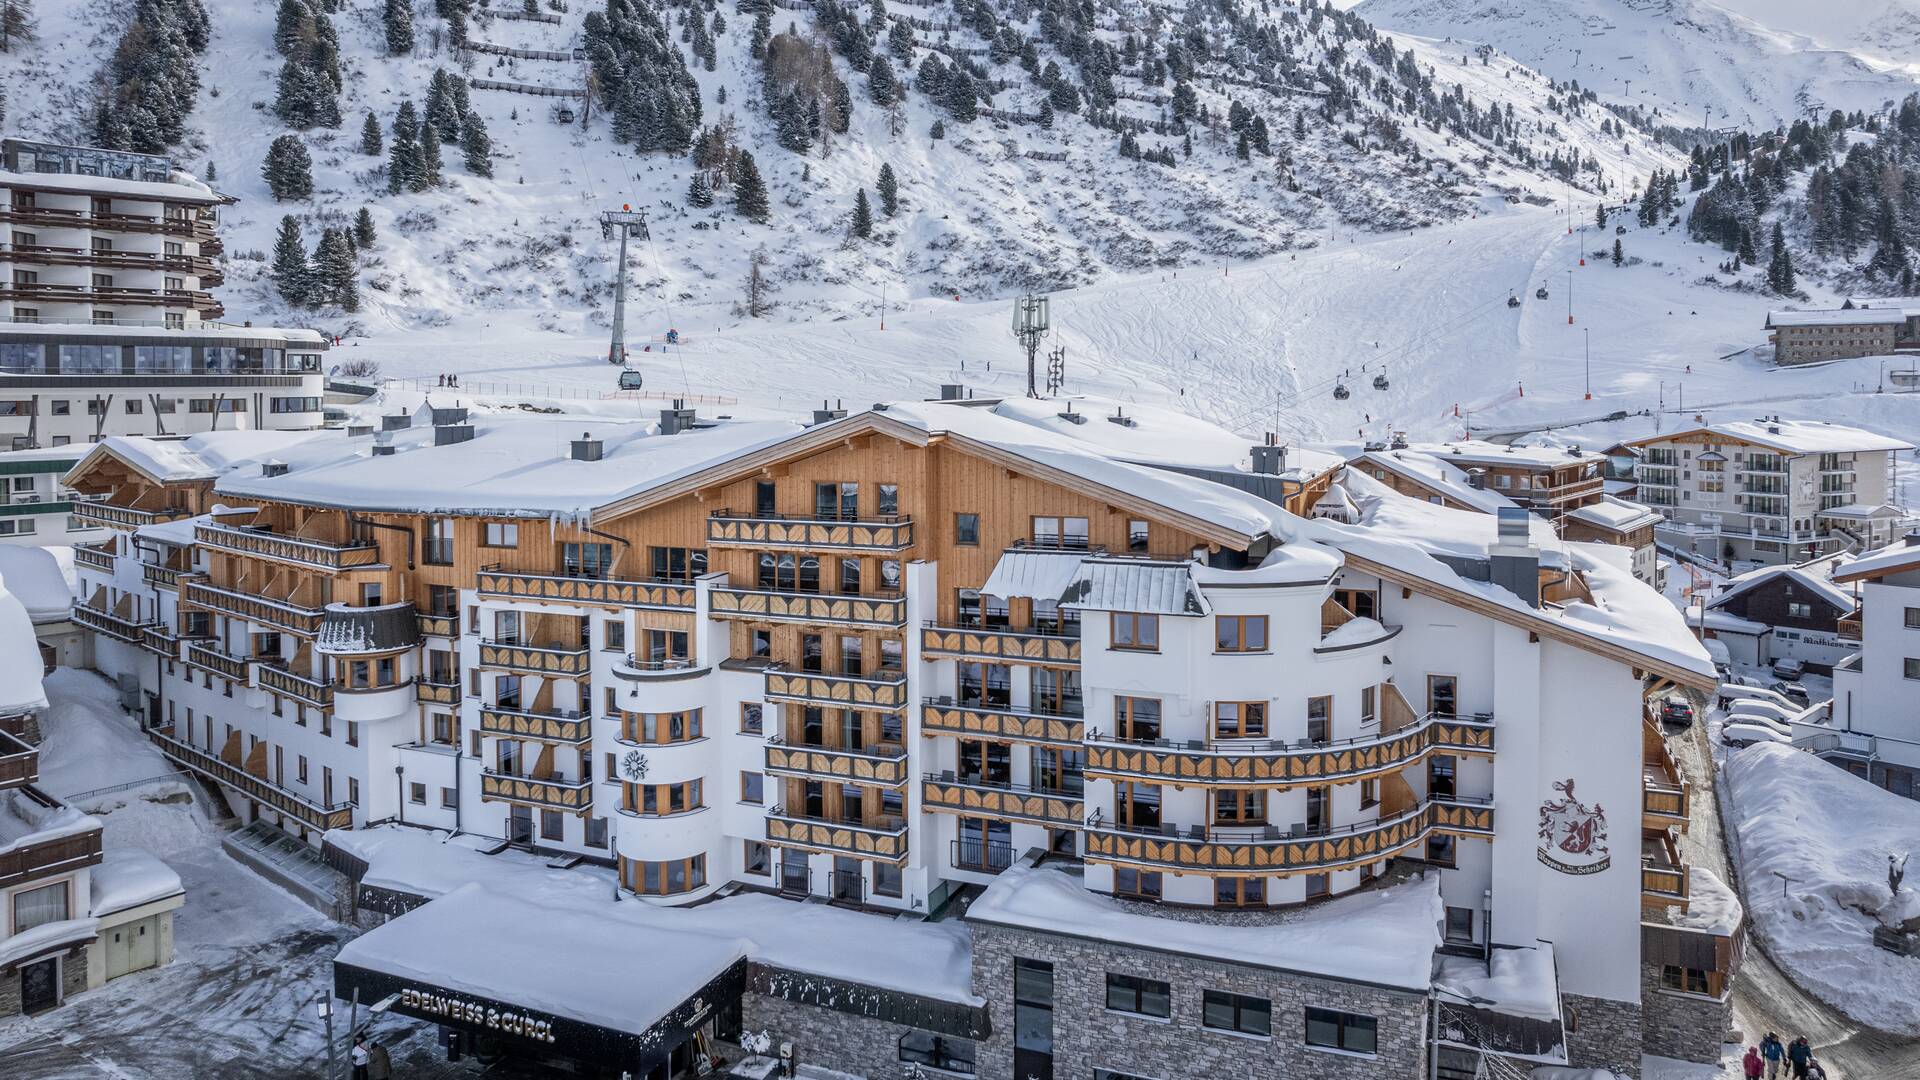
(1788, 669)
(1732, 701)
(1763, 707)
(1761, 720)
(1792, 691)
(1737, 686)
(1748, 734)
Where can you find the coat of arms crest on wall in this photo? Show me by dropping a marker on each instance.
(1573, 836)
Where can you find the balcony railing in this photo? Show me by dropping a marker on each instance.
(229, 667)
(1665, 797)
(161, 641)
(1269, 848)
(1664, 879)
(163, 577)
(597, 591)
(883, 764)
(1001, 723)
(125, 517)
(60, 853)
(554, 726)
(320, 554)
(19, 762)
(536, 659)
(980, 856)
(281, 681)
(1000, 645)
(725, 528)
(881, 690)
(874, 609)
(438, 625)
(550, 794)
(974, 797)
(96, 558)
(432, 693)
(883, 838)
(114, 626)
(1849, 625)
(257, 609)
(314, 815)
(1259, 763)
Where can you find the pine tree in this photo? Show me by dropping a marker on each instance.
(213, 174)
(363, 234)
(1619, 256)
(749, 191)
(334, 269)
(370, 140)
(289, 270)
(1780, 276)
(288, 169)
(403, 156)
(762, 33)
(1046, 113)
(399, 22)
(16, 23)
(476, 146)
(430, 164)
(881, 87)
(1890, 253)
(441, 107)
(1745, 251)
(889, 188)
(700, 190)
(289, 23)
(862, 224)
(1600, 215)
(938, 131)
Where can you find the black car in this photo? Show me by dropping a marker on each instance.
(1676, 711)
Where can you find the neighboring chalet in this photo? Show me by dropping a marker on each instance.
(1619, 522)
(1873, 730)
(1419, 474)
(1785, 613)
(1547, 480)
(1863, 327)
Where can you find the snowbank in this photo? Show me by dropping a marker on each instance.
(34, 576)
(1828, 834)
(1521, 982)
(87, 741)
(128, 877)
(20, 666)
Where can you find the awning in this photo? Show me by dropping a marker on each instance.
(1036, 575)
(1155, 588)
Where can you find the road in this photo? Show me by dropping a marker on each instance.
(1764, 998)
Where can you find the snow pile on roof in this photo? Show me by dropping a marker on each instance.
(1135, 585)
(1615, 513)
(24, 821)
(1901, 554)
(1353, 632)
(35, 577)
(1480, 452)
(1828, 833)
(1812, 579)
(128, 877)
(20, 664)
(1448, 479)
(1712, 907)
(616, 973)
(1384, 936)
(1797, 436)
(88, 742)
(205, 456)
(46, 937)
(1153, 435)
(178, 532)
(1626, 611)
(1515, 982)
(1857, 316)
(1438, 530)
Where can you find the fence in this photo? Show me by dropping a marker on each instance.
(524, 54)
(523, 16)
(128, 786)
(528, 88)
(1047, 155)
(543, 392)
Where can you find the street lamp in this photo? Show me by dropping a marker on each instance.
(1587, 331)
(1569, 298)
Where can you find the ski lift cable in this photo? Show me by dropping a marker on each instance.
(686, 384)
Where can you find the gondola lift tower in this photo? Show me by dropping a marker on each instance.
(627, 222)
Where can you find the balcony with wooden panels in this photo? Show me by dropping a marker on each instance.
(164, 577)
(1000, 645)
(552, 793)
(94, 558)
(312, 814)
(975, 797)
(107, 514)
(1000, 723)
(432, 693)
(884, 764)
(313, 554)
(1848, 627)
(56, 852)
(1666, 798)
(884, 839)
(207, 270)
(279, 614)
(19, 762)
(114, 626)
(1269, 849)
(446, 626)
(211, 659)
(281, 681)
(1276, 764)
(495, 583)
(1664, 879)
(834, 609)
(161, 641)
(726, 528)
(881, 691)
(551, 726)
(564, 660)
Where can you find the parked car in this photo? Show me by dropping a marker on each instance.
(1761, 720)
(1788, 669)
(1748, 734)
(1763, 707)
(1738, 686)
(1677, 711)
(1792, 691)
(1731, 697)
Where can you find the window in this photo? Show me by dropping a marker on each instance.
(285, 405)
(1797, 610)
(1335, 1030)
(937, 1052)
(888, 880)
(677, 563)
(752, 788)
(501, 535)
(1913, 618)
(889, 500)
(1686, 980)
(1134, 994)
(596, 832)
(1137, 719)
(664, 878)
(135, 406)
(1060, 532)
(1134, 630)
(1139, 534)
(756, 859)
(301, 769)
(353, 791)
(1459, 924)
(1239, 633)
(37, 907)
(1369, 794)
(1239, 719)
(1319, 720)
(751, 717)
(1441, 849)
(417, 794)
(1144, 884)
(966, 530)
(660, 800)
(553, 825)
(586, 560)
(1222, 1011)
(1367, 697)
(447, 799)
(614, 633)
(437, 547)
(661, 727)
(1910, 667)
(1239, 892)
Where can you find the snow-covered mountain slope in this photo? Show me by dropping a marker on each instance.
(980, 216)
(1885, 31)
(1729, 64)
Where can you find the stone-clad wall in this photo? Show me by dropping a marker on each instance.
(1685, 1026)
(1602, 1034)
(820, 1036)
(73, 977)
(1087, 1035)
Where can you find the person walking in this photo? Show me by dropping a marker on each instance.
(1771, 1050)
(360, 1057)
(379, 1065)
(1800, 1055)
(1751, 1063)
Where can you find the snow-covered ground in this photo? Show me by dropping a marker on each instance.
(1811, 843)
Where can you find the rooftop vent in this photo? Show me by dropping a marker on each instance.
(677, 419)
(396, 422)
(354, 430)
(824, 413)
(1072, 417)
(273, 468)
(448, 434)
(1120, 417)
(452, 414)
(1773, 429)
(1269, 457)
(587, 448)
(953, 391)
(1477, 479)
(383, 449)
(1514, 562)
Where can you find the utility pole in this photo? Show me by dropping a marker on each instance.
(1030, 325)
(627, 222)
(1588, 331)
(1569, 298)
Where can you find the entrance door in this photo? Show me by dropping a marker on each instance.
(520, 825)
(40, 985)
(847, 879)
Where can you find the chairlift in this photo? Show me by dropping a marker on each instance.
(1513, 301)
(629, 379)
(1380, 382)
(1540, 293)
(1340, 392)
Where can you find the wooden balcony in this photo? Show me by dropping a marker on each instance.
(1002, 646)
(32, 860)
(281, 681)
(117, 295)
(314, 554)
(574, 796)
(1848, 626)
(432, 693)
(161, 641)
(1666, 799)
(1270, 849)
(557, 726)
(211, 659)
(947, 793)
(767, 605)
(1254, 763)
(52, 218)
(114, 626)
(164, 577)
(884, 764)
(438, 625)
(941, 716)
(536, 659)
(1664, 879)
(597, 592)
(306, 811)
(125, 517)
(725, 528)
(95, 558)
(883, 691)
(278, 614)
(883, 839)
(19, 762)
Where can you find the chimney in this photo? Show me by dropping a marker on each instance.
(953, 391)
(586, 447)
(449, 434)
(1072, 417)
(359, 429)
(1912, 539)
(396, 422)
(824, 414)
(1120, 417)
(450, 415)
(1269, 457)
(1514, 561)
(273, 468)
(1477, 479)
(383, 445)
(677, 419)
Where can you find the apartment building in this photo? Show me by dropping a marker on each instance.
(1863, 327)
(900, 660)
(35, 506)
(1873, 729)
(1771, 490)
(1548, 480)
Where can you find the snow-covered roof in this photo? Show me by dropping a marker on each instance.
(1837, 317)
(1037, 575)
(1712, 907)
(1442, 476)
(35, 577)
(293, 337)
(1616, 514)
(1809, 578)
(168, 190)
(29, 821)
(1480, 452)
(1724, 622)
(1158, 588)
(206, 456)
(20, 687)
(41, 939)
(1513, 982)
(1383, 936)
(1791, 436)
(52, 457)
(1863, 511)
(1902, 554)
(1153, 435)
(127, 877)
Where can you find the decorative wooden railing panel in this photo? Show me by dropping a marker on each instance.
(572, 795)
(1267, 851)
(293, 618)
(438, 625)
(19, 762)
(59, 855)
(541, 727)
(94, 558)
(1849, 626)
(319, 554)
(536, 659)
(557, 589)
(164, 577)
(125, 517)
(887, 693)
(159, 640)
(765, 605)
(887, 842)
(230, 667)
(1001, 725)
(851, 766)
(1664, 885)
(808, 534)
(1003, 646)
(302, 809)
(428, 693)
(1005, 802)
(1272, 765)
(109, 624)
(282, 681)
